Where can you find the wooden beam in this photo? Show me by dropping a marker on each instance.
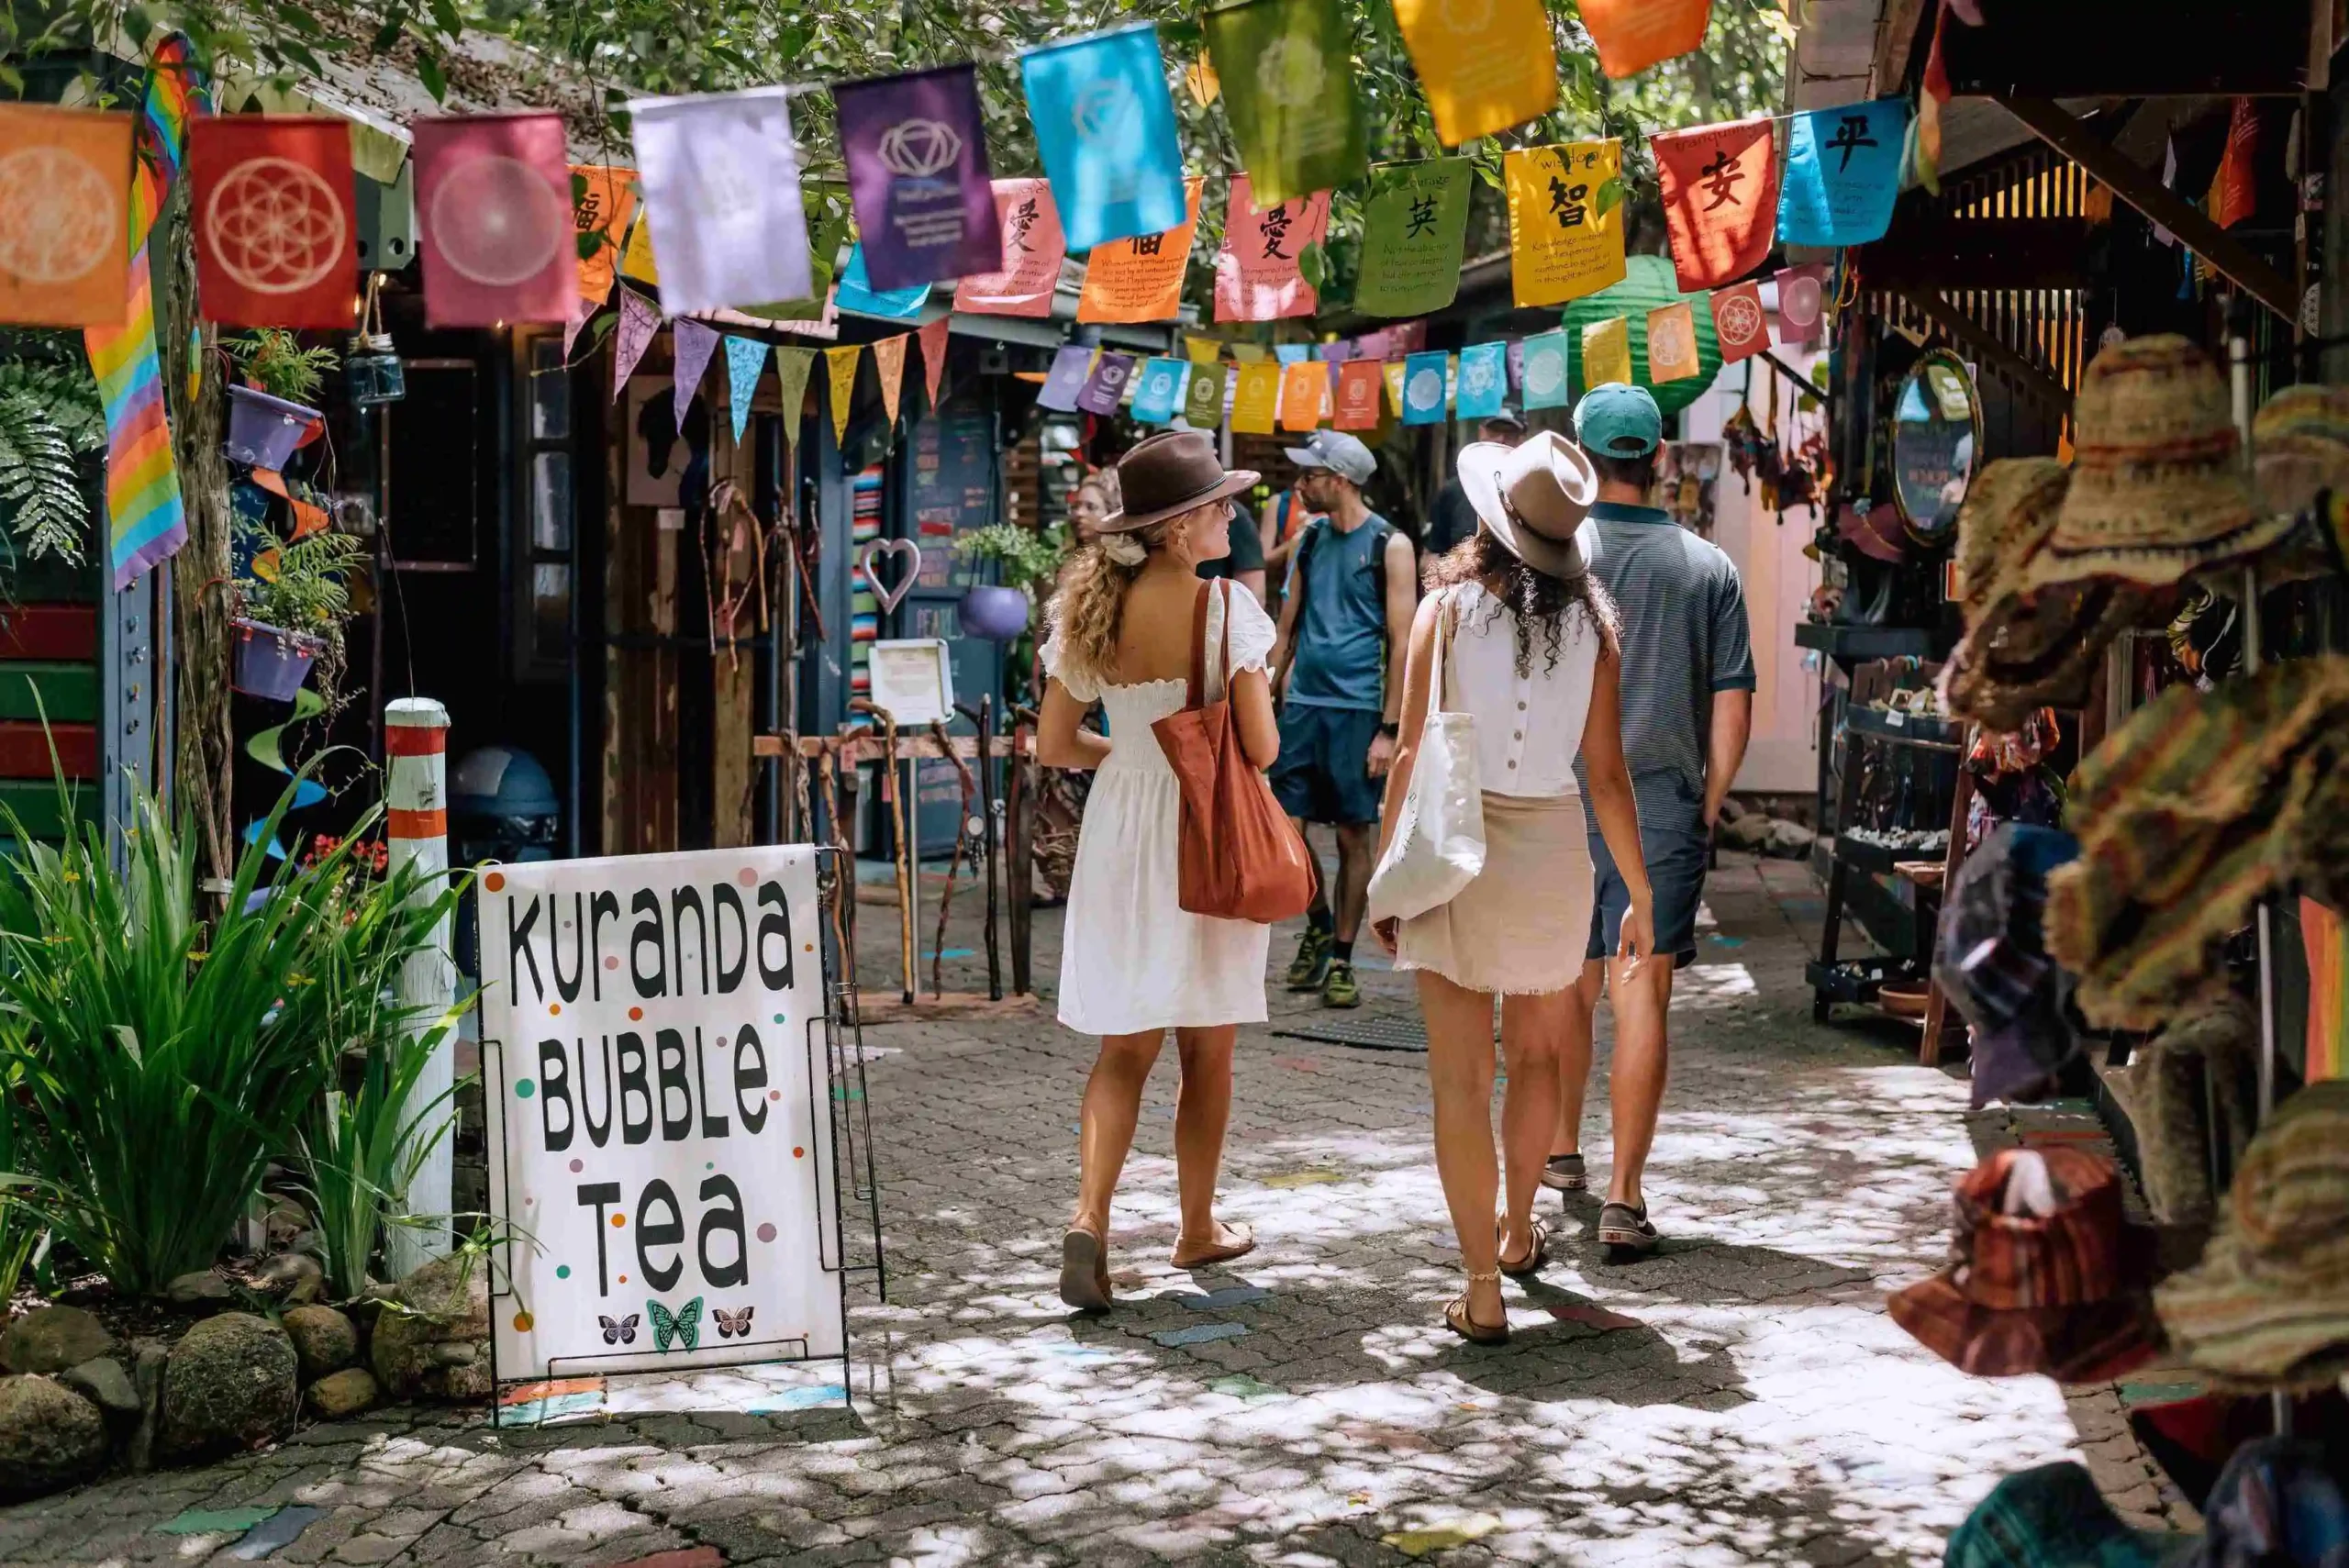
(855, 749)
(2027, 377)
(2141, 189)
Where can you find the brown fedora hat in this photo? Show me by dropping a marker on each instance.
(1167, 474)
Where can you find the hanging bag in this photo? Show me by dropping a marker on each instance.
(1237, 858)
(1439, 842)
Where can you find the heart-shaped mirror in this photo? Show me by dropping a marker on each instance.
(891, 594)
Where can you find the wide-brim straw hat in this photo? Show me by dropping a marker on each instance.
(1534, 498)
(1167, 474)
(2009, 513)
(2157, 490)
(2299, 447)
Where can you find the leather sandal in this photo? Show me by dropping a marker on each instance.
(1535, 1256)
(1085, 1272)
(1214, 1252)
(1456, 1318)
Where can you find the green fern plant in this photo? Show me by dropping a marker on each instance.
(311, 588)
(273, 360)
(39, 481)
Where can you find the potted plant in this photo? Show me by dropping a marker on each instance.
(1023, 559)
(268, 415)
(290, 614)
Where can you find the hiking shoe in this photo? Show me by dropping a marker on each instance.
(1311, 964)
(1340, 988)
(1624, 1234)
(1564, 1174)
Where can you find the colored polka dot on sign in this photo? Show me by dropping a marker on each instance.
(807, 946)
(766, 1233)
(635, 1013)
(619, 1220)
(799, 1153)
(775, 1093)
(623, 1279)
(524, 1088)
(495, 882)
(578, 1166)
(563, 1270)
(613, 961)
(522, 1321)
(746, 877)
(555, 1008)
(778, 1017)
(709, 1165)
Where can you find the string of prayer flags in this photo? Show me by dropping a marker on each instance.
(792, 369)
(691, 345)
(1484, 380)
(492, 199)
(631, 336)
(1485, 66)
(1139, 277)
(890, 361)
(1257, 398)
(1543, 377)
(933, 356)
(603, 199)
(722, 199)
(1256, 273)
(857, 296)
(1801, 307)
(1607, 351)
(841, 363)
(1424, 384)
(1740, 322)
(1392, 371)
(1286, 68)
(1671, 343)
(273, 220)
(1720, 199)
(1155, 390)
(1304, 385)
(1360, 384)
(1562, 244)
(1843, 173)
(1071, 365)
(916, 157)
(1632, 35)
(1105, 385)
(1029, 264)
(1105, 129)
(1415, 223)
(65, 184)
(1203, 396)
(746, 360)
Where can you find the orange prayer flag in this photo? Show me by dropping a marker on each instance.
(1720, 200)
(1632, 35)
(1303, 386)
(933, 356)
(65, 241)
(1671, 343)
(1485, 66)
(603, 199)
(889, 359)
(1141, 278)
(1359, 384)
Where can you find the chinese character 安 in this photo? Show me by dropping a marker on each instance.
(1721, 176)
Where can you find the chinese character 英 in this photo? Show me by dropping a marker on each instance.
(1720, 177)
(1851, 135)
(1423, 215)
(1024, 218)
(1567, 202)
(1147, 244)
(1273, 225)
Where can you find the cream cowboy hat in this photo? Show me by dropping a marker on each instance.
(1533, 497)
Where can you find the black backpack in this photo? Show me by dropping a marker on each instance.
(1381, 531)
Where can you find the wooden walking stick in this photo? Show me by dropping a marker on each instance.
(989, 807)
(892, 792)
(953, 857)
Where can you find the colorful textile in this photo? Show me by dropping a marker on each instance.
(2051, 1517)
(1632, 35)
(1287, 71)
(1256, 273)
(1203, 395)
(1720, 199)
(1256, 399)
(1544, 371)
(1029, 267)
(1843, 173)
(1566, 224)
(1105, 129)
(1305, 395)
(1071, 364)
(2279, 1504)
(916, 157)
(1485, 67)
(746, 361)
(1802, 306)
(493, 205)
(1155, 391)
(857, 296)
(1139, 278)
(1484, 380)
(1671, 343)
(1990, 959)
(1740, 323)
(722, 203)
(276, 230)
(1104, 391)
(1607, 352)
(1356, 399)
(1426, 378)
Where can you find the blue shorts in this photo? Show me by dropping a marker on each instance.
(1677, 848)
(1324, 770)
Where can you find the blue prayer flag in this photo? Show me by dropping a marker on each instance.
(1105, 128)
(1159, 390)
(1292, 353)
(1843, 173)
(1423, 388)
(1484, 380)
(858, 296)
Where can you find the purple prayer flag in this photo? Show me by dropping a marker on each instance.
(1339, 352)
(1070, 368)
(693, 344)
(918, 175)
(1104, 389)
(638, 321)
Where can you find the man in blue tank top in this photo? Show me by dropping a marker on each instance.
(1338, 668)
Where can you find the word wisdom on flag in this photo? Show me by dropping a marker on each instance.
(1562, 244)
(1486, 64)
(1256, 273)
(1720, 200)
(1415, 222)
(721, 199)
(64, 184)
(493, 202)
(1286, 70)
(916, 161)
(1105, 129)
(1632, 35)
(274, 225)
(1843, 173)
(1028, 267)
(1139, 278)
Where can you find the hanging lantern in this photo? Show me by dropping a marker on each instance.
(372, 369)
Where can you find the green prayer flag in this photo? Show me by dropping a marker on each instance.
(1203, 399)
(1413, 227)
(791, 368)
(1286, 68)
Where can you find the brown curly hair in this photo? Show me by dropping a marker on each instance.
(1089, 607)
(1538, 598)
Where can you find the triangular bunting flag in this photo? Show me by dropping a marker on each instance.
(933, 358)
(841, 364)
(639, 321)
(693, 344)
(745, 359)
(889, 359)
(571, 328)
(792, 367)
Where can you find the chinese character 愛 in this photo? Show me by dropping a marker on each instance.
(1024, 218)
(1567, 202)
(1271, 225)
(1720, 177)
(1851, 135)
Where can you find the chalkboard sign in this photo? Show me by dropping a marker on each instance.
(951, 486)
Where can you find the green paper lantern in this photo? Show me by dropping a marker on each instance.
(1649, 284)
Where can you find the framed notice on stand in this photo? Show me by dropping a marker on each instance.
(913, 680)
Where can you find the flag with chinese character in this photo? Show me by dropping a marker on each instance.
(917, 158)
(1305, 386)
(1105, 129)
(1029, 262)
(1415, 221)
(1671, 343)
(65, 189)
(1485, 66)
(1257, 398)
(841, 365)
(1544, 372)
(1256, 275)
(492, 201)
(1105, 387)
(1425, 381)
(1155, 391)
(1720, 199)
(721, 199)
(1203, 397)
(1801, 307)
(1071, 365)
(271, 215)
(1140, 277)
(1632, 35)
(1738, 321)
(1843, 173)
(1286, 70)
(1484, 380)
(1607, 351)
(1360, 384)
(859, 297)
(603, 199)
(1561, 245)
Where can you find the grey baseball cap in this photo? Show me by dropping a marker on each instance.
(1340, 454)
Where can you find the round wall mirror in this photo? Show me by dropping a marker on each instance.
(1936, 444)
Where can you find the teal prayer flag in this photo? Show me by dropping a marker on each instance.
(1843, 173)
(1105, 129)
(1546, 357)
(1157, 390)
(1423, 388)
(1484, 380)
(858, 296)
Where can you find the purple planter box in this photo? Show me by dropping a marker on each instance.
(273, 663)
(264, 430)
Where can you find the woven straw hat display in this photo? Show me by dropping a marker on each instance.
(2299, 443)
(2158, 492)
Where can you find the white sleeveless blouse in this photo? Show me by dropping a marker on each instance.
(1529, 726)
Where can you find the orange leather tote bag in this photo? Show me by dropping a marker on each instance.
(1237, 857)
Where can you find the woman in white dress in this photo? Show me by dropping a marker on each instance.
(1133, 964)
(1530, 652)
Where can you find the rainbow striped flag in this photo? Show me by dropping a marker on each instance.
(145, 521)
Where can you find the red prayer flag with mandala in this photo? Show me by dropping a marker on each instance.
(493, 208)
(1720, 200)
(1740, 323)
(277, 231)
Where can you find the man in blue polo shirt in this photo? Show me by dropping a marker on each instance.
(1688, 676)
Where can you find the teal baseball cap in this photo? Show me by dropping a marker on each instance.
(1616, 420)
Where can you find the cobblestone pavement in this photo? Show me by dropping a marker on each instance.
(1740, 1398)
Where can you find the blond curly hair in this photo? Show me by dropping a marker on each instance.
(1088, 608)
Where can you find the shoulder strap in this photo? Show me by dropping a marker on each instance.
(1446, 623)
(1195, 695)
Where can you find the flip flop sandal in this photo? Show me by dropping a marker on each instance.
(1216, 1251)
(1456, 1318)
(1085, 1272)
(1538, 1254)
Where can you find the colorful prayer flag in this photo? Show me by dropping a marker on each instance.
(631, 335)
(1425, 379)
(1071, 365)
(933, 355)
(889, 363)
(1485, 66)
(691, 345)
(1256, 275)
(1304, 387)
(65, 185)
(1203, 350)
(1028, 265)
(746, 360)
(1359, 384)
(1738, 321)
(1843, 173)
(916, 157)
(492, 203)
(1286, 68)
(1413, 225)
(1801, 309)
(1104, 387)
(1561, 245)
(792, 369)
(603, 199)
(1632, 35)
(1255, 399)
(1155, 390)
(841, 363)
(1105, 129)
(857, 296)
(273, 222)
(1607, 351)
(1292, 353)
(1203, 397)
(1544, 373)
(2235, 189)
(1391, 371)
(1720, 199)
(1140, 277)
(1671, 343)
(1484, 380)
(636, 257)
(722, 199)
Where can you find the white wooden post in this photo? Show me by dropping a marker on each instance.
(416, 752)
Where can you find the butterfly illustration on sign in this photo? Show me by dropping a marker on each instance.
(680, 1328)
(620, 1331)
(1102, 109)
(733, 1324)
(917, 150)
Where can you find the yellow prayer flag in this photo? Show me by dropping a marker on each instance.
(1606, 352)
(1248, 353)
(1485, 66)
(636, 261)
(1393, 370)
(889, 359)
(841, 365)
(1254, 399)
(1203, 350)
(1671, 343)
(1561, 246)
(1304, 387)
(1201, 79)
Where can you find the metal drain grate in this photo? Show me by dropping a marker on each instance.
(1373, 1032)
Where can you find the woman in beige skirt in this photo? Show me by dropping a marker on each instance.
(1531, 654)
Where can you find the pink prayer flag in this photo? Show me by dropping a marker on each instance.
(1256, 275)
(639, 321)
(693, 343)
(933, 357)
(1033, 249)
(889, 359)
(492, 201)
